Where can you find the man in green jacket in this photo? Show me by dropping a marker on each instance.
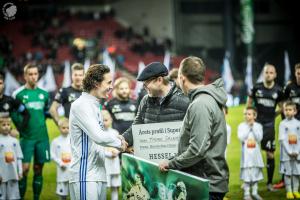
(202, 140)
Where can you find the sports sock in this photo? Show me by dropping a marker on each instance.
(23, 186)
(270, 169)
(37, 185)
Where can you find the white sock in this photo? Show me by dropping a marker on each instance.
(114, 193)
(254, 188)
(288, 183)
(295, 179)
(246, 189)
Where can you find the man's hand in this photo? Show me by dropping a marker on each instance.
(129, 150)
(124, 144)
(164, 166)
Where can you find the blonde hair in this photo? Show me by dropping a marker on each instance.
(106, 113)
(29, 66)
(63, 121)
(4, 119)
(117, 84)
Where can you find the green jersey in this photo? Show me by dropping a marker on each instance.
(36, 102)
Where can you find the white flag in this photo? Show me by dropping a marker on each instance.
(67, 75)
(227, 75)
(287, 67)
(47, 82)
(167, 59)
(261, 76)
(86, 64)
(11, 84)
(139, 84)
(248, 78)
(109, 62)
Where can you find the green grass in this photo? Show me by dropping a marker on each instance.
(234, 117)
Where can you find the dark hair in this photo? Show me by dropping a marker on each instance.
(193, 68)
(77, 66)
(2, 76)
(94, 75)
(252, 108)
(297, 66)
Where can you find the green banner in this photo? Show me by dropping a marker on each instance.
(141, 179)
(247, 25)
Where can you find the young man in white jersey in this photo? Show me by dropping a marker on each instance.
(87, 170)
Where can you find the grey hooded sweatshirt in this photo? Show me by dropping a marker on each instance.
(203, 136)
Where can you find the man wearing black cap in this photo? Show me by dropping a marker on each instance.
(164, 101)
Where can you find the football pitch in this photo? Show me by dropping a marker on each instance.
(235, 116)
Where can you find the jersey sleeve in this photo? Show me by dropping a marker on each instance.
(286, 91)
(53, 152)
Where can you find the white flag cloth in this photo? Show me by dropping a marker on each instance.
(248, 78)
(86, 64)
(139, 84)
(47, 82)
(67, 75)
(167, 59)
(227, 75)
(287, 67)
(109, 62)
(261, 76)
(11, 84)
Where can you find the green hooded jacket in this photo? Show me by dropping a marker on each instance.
(202, 143)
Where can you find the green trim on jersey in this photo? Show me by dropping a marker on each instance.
(37, 103)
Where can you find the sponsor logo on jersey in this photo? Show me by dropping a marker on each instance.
(25, 97)
(266, 102)
(125, 116)
(36, 105)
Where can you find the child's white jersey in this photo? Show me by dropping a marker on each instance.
(289, 138)
(10, 158)
(250, 136)
(61, 155)
(87, 140)
(112, 164)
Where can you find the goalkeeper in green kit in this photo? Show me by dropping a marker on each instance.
(34, 138)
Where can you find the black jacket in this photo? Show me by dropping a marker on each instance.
(154, 110)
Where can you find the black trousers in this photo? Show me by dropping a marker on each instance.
(216, 196)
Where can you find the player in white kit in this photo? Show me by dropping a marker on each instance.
(10, 162)
(289, 138)
(250, 134)
(61, 155)
(112, 161)
(87, 170)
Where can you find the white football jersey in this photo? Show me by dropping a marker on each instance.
(61, 155)
(10, 158)
(87, 140)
